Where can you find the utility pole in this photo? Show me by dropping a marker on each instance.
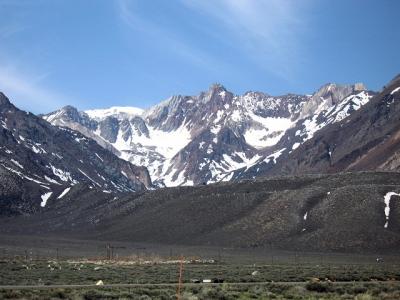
(112, 251)
(178, 293)
(108, 252)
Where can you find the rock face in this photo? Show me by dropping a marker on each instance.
(39, 161)
(339, 212)
(215, 136)
(327, 96)
(369, 139)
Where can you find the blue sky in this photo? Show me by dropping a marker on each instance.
(100, 53)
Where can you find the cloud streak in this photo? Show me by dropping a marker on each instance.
(168, 38)
(27, 91)
(269, 31)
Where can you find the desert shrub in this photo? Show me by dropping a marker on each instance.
(11, 294)
(359, 290)
(363, 297)
(318, 287)
(59, 294)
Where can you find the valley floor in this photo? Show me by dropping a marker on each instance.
(56, 268)
(356, 290)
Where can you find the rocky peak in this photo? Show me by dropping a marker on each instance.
(216, 88)
(328, 95)
(216, 93)
(255, 94)
(359, 86)
(337, 92)
(3, 99)
(109, 129)
(71, 112)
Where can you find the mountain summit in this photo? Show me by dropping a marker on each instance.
(216, 135)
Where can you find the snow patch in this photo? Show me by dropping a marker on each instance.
(387, 198)
(64, 193)
(63, 175)
(274, 156)
(295, 146)
(115, 111)
(88, 177)
(395, 90)
(220, 113)
(51, 180)
(165, 143)
(271, 131)
(99, 157)
(17, 163)
(236, 116)
(45, 197)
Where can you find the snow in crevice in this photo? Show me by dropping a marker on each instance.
(64, 193)
(88, 177)
(395, 90)
(98, 156)
(51, 180)
(220, 113)
(295, 146)
(20, 174)
(4, 125)
(37, 149)
(387, 199)
(63, 175)
(164, 143)
(268, 132)
(45, 197)
(274, 156)
(17, 163)
(237, 160)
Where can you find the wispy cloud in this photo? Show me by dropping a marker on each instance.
(269, 31)
(27, 90)
(170, 40)
(20, 80)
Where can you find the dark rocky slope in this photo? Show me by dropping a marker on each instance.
(369, 139)
(39, 161)
(341, 212)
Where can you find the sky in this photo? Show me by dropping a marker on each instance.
(102, 53)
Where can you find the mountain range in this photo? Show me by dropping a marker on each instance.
(39, 162)
(282, 171)
(216, 135)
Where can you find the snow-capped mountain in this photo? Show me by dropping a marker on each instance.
(215, 136)
(39, 162)
(369, 139)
